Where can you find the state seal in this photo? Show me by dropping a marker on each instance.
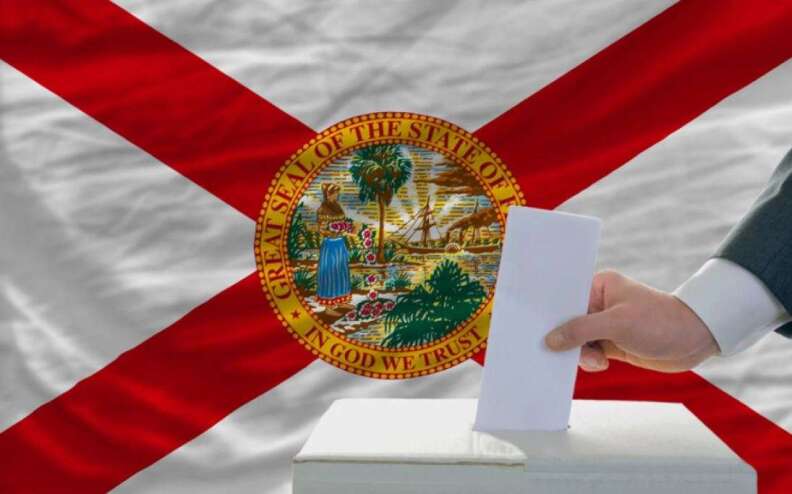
(379, 240)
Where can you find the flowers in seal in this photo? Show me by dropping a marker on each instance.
(340, 226)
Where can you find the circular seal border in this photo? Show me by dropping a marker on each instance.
(285, 191)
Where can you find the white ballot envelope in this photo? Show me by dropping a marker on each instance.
(544, 279)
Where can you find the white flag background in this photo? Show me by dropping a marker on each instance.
(101, 245)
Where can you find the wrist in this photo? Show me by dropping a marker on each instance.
(701, 342)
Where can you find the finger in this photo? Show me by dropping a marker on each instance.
(611, 351)
(605, 325)
(592, 358)
(603, 282)
(597, 294)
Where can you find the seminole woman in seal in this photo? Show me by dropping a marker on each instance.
(334, 290)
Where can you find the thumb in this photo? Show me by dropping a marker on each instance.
(605, 325)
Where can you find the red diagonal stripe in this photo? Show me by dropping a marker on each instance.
(154, 93)
(636, 92)
(153, 398)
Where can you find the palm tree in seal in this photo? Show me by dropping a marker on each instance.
(380, 171)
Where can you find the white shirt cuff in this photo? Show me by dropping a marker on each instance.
(735, 305)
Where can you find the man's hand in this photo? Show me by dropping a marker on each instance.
(635, 323)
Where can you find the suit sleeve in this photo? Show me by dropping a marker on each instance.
(762, 241)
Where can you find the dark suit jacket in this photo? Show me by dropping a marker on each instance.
(762, 241)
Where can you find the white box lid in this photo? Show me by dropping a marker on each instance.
(604, 436)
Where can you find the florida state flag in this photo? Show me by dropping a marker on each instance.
(218, 217)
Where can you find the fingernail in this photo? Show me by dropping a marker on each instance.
(591, 361)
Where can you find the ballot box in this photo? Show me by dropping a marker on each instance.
(398, 446)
